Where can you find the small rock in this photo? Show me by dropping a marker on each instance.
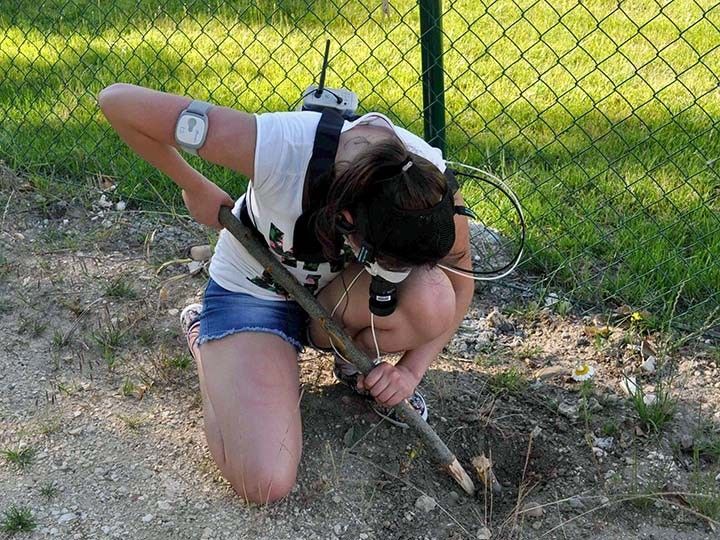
(67, 518)
(599, 452)
(164, 505)
(147, 518)
(629, 385)
(499, 321)
(576, 502)
(337, 529)
(568, 410)
(649, 364)
(606, 443)
(594, 405)
(551, 299)
(120, 206)
(425, 503)
(551, 372)
(532, 509)
(650, 399)
(104, 203)
(483, 533)
(194, 267)
(200, 253)
(173, 311)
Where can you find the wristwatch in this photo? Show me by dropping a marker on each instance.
(192, 126)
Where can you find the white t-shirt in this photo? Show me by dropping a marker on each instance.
(283, 150)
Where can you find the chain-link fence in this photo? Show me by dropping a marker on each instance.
(603, 116)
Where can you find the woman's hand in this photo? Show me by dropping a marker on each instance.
(389, 384)
(204, 203)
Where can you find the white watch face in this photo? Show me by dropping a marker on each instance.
(190, 130)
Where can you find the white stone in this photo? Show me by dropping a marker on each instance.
(120, 206)
(650, 399)
(649, 364)
(201, 253)
(629, 385)
(67, 518)
(483, 533)
(164, 505)
(425, 503)
(147, 518)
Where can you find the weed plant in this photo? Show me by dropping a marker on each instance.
(17, 519)
(21, 458)
(510, 380)
(654, 414)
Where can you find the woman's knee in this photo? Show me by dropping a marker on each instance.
(260, 483)
(429, 302)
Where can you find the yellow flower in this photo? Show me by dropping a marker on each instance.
(583, 372)
(636, 316)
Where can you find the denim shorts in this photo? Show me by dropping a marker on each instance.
(226, 312)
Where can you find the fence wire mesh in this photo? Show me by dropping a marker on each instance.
(602, 116)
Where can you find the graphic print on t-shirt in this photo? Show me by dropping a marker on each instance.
(276, 237)
(266, 282)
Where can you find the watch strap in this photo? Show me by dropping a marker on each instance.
(199, 107)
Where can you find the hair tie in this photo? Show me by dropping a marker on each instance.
(407, 165)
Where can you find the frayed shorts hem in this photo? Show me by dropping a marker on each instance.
(294, 342)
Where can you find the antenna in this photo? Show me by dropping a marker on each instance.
(321, 86)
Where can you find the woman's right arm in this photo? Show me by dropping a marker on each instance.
(145, 119)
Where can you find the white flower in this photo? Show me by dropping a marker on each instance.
(583, 372)
(120, 206)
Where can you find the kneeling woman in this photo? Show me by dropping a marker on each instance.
(383, 204)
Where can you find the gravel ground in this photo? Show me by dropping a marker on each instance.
(96, 384)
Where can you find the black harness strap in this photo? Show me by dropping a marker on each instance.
(322, 161)
(306, 246)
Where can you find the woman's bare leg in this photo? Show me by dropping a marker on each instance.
(250, 393)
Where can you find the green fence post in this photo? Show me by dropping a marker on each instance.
(432, 72)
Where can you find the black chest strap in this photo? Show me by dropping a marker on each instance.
(306, 246)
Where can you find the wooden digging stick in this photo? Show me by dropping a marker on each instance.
(309, 303)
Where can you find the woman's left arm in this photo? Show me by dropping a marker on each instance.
(418, 360)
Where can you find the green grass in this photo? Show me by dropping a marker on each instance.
(655, 414)
(17, 519)
(21, 458)
(49, 490)
(604, 120)
(510, 380)
(120, 288)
